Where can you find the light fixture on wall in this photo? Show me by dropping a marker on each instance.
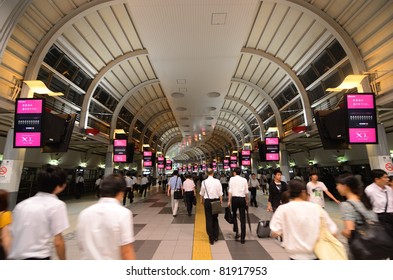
(350, 81)
(39, 87)
(54, 162)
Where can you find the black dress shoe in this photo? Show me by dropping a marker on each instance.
(216, 239)
(243, 241)
(237, 236)
(211, 242)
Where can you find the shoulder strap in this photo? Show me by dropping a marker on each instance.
(206, 190)
(356, 209)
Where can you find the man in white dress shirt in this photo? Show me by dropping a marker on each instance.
(238, 197)
(105, 230)
(211, 190)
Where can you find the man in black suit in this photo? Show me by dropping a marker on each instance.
(276, 189)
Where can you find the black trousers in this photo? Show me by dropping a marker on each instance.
(239, 203)
(128, 193)
(211, 221)
(387, 220)
(224, 189)
(189, 196)
(253, 200)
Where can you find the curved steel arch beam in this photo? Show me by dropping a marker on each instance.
(268, 99)
(97, 79)
(143, 109)
(231, 133)
(221, 129)
(233, 125)
(123, 101)
(158, 129)
(248, 128)
(55, 32)
(292, 75)
(172, 131)
(218, 145)
(334, 27)
(150, 120)
(170, 143)
(222, 140)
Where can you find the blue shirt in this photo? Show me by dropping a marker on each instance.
(175, 182)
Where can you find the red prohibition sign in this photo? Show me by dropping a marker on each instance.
(3, 170)
(389, 166)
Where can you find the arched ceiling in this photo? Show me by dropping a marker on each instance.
(198, 77)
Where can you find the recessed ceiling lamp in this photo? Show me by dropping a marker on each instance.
(213, 94)
(211, 108)
(181, 109)
(39, 87)
(350, 81)
(177, 95)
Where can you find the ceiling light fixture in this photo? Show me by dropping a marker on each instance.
(350, 81)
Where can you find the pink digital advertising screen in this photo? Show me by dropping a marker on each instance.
(119, 158)
(273, 157)
(271, 140)
(29, 106)
(120, 143)
(147, 163)
(362, 135)
(246, 152)
(360, 101)
(27, 139)
(147, 153)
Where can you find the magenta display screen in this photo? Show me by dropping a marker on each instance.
(29, 119)
(168, 164)
(226, 163)
(147, 153)
(147, 159)
(29, 106)
(272, 148)
(120, 150)
(160, 162)
(246, 158)
(233, 162)
(361, 118)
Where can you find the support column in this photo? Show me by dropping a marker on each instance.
(254, 162)
(284, 162)
(379, 154)
(12, 166)
(109, 160)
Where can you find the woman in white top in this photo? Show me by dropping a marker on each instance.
(189, 193)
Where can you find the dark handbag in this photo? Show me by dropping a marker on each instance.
(370, 241)
(194, 200)
(177, 194)
(263, 229)
(228, 215)
(216, 205)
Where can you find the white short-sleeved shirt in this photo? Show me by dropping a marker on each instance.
(299, 224)
(188, 185)
(129, 182)
(144, 181)
(102, 228)
(377, 197)
(213, 188)
(36, 221)
(315, 191)
(238, 186)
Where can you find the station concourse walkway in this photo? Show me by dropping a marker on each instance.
(160, 236)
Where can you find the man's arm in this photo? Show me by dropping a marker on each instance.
(331, 196)
(127, 252)
(60, 246)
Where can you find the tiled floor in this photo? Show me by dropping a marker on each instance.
(160, 236)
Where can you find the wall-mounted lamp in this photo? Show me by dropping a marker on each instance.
(39, 87)
(54, 162)
(83, 164)
(102, 165)
(350, 81)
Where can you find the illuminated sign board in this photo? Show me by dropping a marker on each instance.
(272, 149)
(233, 161)
(226, 163)
(29, 117)
(160, 162)
(120, 150)
(362, 119)
(147, 159)
(168, 164)
(246, 158)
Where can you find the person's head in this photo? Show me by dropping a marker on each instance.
(52, 180)
(79, 174)
(210, 172)
(3, 200)
(237, 171)
(314, 176)
(188, 176)
(277, 175)
(390, 181)
(253, 175)
(100, 177)
(347, 184)
(380, 177)
(175, 172)
(297, 189)
(112, 185)
(128, 173)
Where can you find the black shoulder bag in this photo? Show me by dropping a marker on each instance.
(177, 194)
(370, 240)
(216, 205)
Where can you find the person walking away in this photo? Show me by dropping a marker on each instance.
(211, 190)
(381, 198)
(237, 198)
(138, 184)
(189, 192)
(264, 184)
(79, 185)
(224, 184)
(40, 218)
(128, 193)
(144, 185)
(174, 184)
(97, 186)
(315, 190)
(349, 187)
(105, 230)
(5, 224)
(276, 189)
(253, 185)
(299, 222)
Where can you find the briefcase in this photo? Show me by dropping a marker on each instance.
(263, 230)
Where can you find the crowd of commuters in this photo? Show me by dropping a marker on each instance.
(105, 229)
